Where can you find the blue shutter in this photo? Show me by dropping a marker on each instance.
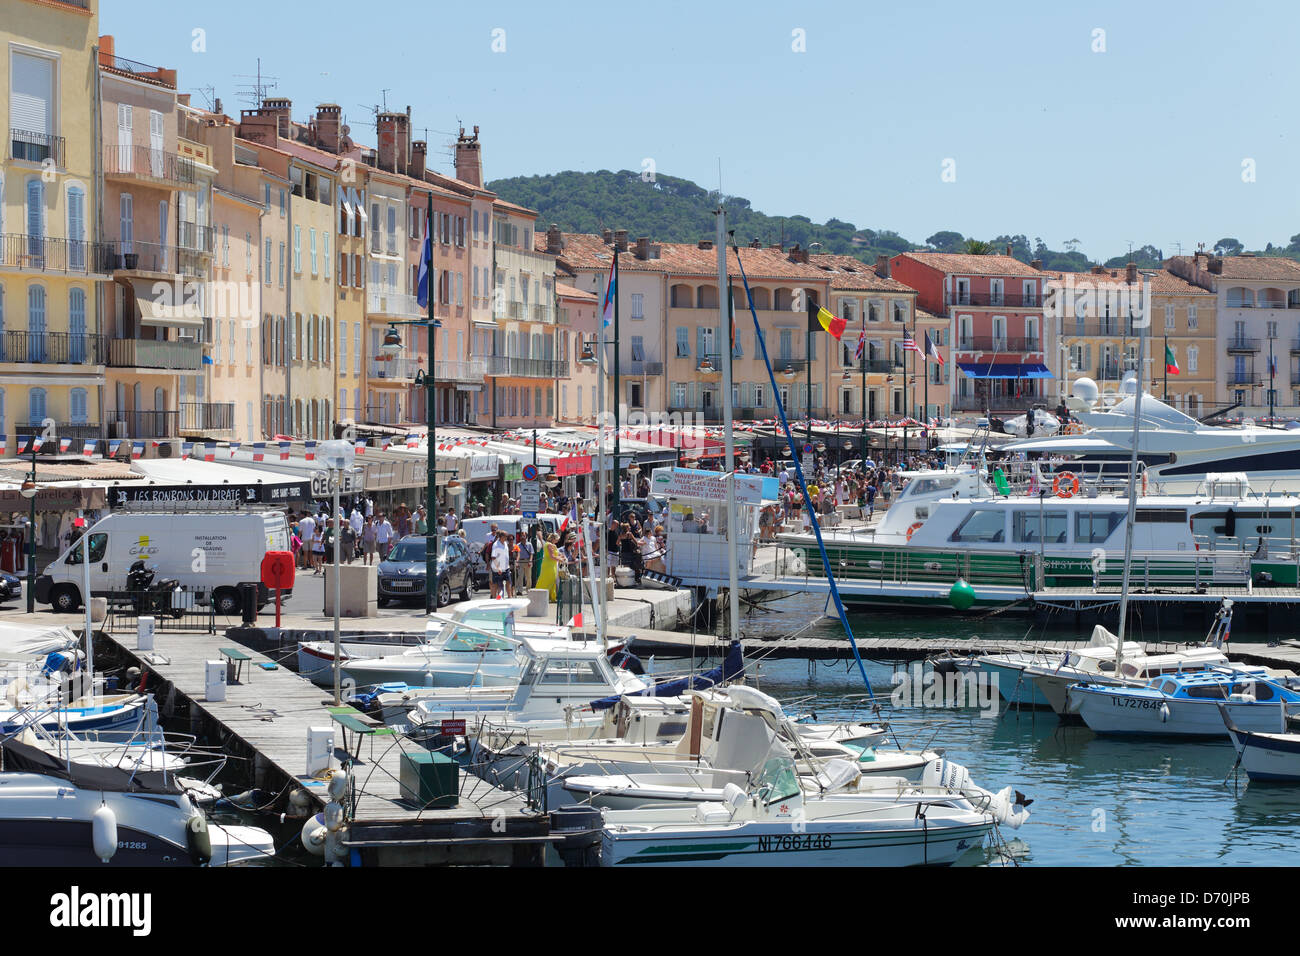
(700, 349)
(77, 326)
(36, 324)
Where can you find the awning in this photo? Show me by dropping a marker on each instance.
(158, 305)
(1004, 370)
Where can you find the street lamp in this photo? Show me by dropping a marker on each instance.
(338, 456)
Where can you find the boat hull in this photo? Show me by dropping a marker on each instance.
(1113, 711)
(1268, 757)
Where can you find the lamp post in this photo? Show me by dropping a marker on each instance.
(28, 491)
(338, 456)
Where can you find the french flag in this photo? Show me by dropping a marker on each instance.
(35, 444)
(361, 447)
(87, 449)
(234, 447)
(311, 451)
(65, 444)
(137, 450)
(210, 452)
(113, 446)
(412, 441)
(284, 450)
(187, 449)
(386, 444)
(259, 451)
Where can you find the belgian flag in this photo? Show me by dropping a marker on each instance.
(823, 320)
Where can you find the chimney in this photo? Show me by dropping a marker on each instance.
(606, 236)
(704, 244)
(1131, 272)
(1216, 265)
(643, 247)
(620, 240)
(328, 117)
(1098, 270)
(419, 156)
(394, 134)
(469, 162)
(279, 107)
(258, 126)
(755, 244)
(1036, 264)
(216, 107)
(554, 245)
(106, 49)
(1008, 248)
(882, 266)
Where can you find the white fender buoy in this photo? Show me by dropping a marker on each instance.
(103, 832)
(337, 787)
(333, 816)
(1164, 713)
(199, 839)
(314, 833)
(14, 688)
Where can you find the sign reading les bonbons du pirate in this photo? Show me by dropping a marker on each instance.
(232, 495)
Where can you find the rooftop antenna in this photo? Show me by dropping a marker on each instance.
(254, 93)
(209, 94)
(1179, 247)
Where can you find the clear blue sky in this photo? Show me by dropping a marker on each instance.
(1142, 142)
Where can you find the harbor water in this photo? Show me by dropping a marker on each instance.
(1097, 801)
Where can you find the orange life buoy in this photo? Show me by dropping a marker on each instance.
(912, 529)
(1065, 485)
(1144, 484)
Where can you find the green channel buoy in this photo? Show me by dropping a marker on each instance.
(961, 595)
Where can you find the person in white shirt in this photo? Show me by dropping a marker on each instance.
(357, 520)
(501, 568)
(383, 536)
(449, 520)
(307, 531)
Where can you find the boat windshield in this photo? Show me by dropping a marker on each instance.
(496, 620)
(777, 781)
(1156, 413)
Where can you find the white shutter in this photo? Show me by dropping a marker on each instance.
(127, 208)
(156, 143)
(124, 155)
(32, 94)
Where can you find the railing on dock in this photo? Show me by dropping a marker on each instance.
(199, 616)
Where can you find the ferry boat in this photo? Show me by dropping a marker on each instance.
(947, 526)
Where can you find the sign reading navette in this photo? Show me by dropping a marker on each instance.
(706, 485)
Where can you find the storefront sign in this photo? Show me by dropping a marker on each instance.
(351, 483)
(209, 494)
(573, 465)
(514, 471)
(69, 497)
(483, 467)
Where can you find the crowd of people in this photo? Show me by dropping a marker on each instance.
(365, 534)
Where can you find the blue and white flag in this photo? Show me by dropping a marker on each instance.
(611, 291)
(426, 269)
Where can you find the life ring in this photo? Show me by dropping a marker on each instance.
(1065, 485)
(912, 529)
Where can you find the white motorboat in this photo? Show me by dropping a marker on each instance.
(55, 812)
(777, 822)
(474, 644)
(1266, 757)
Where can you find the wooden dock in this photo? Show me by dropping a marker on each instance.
(266, 715)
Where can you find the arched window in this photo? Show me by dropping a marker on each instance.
(36, 323)
(77, 325)
(706, 297)
(77, 406)
(1240, 298)
(783, 301)
(762, 298)
(1271, 299)
(680, 297)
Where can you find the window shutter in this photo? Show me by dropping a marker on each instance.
(699, 342)
(33, 89)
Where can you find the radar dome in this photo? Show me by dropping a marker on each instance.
(1085, 389)
(1130, 385)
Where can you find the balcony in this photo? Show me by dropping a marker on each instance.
(1240, 344)
(77, 430)
(514, 310)
(142, 424)
(998, 343)
(994, 300)
(146, 353)
(541, 313)
(1110, 372)
(31, 147)
(195, 238)
(394, 370)
(474, 370)
(1097, 328)
(26, 252)
(1235, 378)
(784, 363)
(140, 71)
(388, 302)
(526, 367)
(873, 366)
(142, 163)
(207, 416)
(635, 367)
(153, 258)
(52, 348)
(711, 413)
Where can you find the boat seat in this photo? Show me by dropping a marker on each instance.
(709, 812)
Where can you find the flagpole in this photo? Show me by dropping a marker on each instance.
(925, 394)
(617, 398)
(431, 464)
(1272, 374)
(1166, 368)
(601, 598)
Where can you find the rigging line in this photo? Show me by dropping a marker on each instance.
(798, 470)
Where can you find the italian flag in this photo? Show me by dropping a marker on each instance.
(1171, 363)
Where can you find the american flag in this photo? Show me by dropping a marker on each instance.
(909, 344)
(862, 343)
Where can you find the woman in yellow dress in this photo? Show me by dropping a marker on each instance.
(550, 575)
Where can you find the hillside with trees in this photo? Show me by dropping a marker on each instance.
(669, 209)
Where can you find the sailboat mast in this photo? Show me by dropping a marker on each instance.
(1133, 465)
(725, 328)
(602, 476)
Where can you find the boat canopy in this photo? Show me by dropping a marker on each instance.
(1005, 370)
(732, 667)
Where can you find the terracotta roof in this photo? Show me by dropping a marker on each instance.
(1163, 282)
(586, 251)
(1254, 267)
(523, 210)
(846, 272)
(954, 263)
(569, 292)
(99, 469)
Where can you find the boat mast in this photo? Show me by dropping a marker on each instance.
(1133, 486)
(725, 328)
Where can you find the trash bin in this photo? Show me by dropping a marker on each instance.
(248, 601)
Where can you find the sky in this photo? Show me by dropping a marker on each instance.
(1110, 123)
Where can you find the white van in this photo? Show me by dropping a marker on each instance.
(476, 532)
(208, 551)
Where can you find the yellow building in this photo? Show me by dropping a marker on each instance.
(52, 268)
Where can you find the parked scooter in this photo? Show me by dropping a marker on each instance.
(148, 596)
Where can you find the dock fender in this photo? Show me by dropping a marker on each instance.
(1164, 713)
(314, 833)
(198, 839)
(103, 832)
